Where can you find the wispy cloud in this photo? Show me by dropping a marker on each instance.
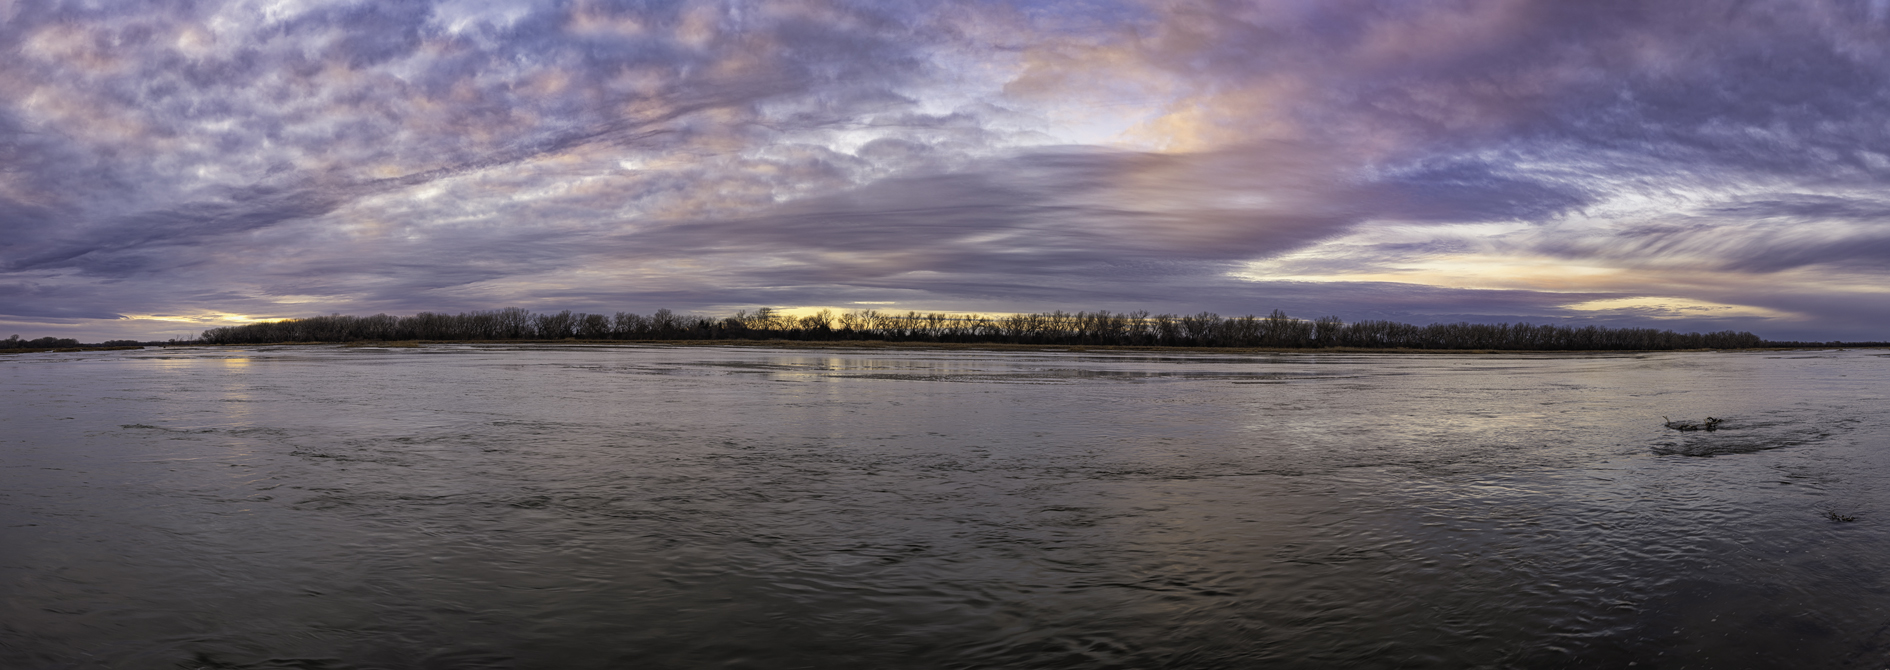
(1488, 159)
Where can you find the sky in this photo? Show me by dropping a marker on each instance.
(170, 166)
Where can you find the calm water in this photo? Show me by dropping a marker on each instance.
(468, 507)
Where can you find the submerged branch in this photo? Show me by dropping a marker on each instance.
(1709, 425)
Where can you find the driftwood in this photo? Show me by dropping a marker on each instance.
(1834, 515)
(1709, 425)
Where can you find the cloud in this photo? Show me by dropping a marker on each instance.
(1471, 158)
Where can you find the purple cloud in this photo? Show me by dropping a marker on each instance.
(191, 160)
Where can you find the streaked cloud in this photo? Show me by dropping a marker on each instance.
(1709, 164)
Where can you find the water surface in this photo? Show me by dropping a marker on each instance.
(587, 507)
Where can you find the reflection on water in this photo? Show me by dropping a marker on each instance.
(573, 507)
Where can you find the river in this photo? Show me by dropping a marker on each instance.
(510, 506)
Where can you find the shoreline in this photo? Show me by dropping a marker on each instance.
(6, 352)
(882, 345)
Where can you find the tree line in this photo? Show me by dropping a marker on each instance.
(15, 342)
(1275, 330)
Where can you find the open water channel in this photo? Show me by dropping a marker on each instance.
(459, 506)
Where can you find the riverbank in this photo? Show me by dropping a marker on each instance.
(5, 352)
(854, 345)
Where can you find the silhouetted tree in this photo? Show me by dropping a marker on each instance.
(1205, 329)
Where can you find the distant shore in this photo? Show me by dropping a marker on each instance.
(882, 345)
(4, 352)
(1082, 329)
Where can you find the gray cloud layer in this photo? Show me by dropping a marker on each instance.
(186, 159)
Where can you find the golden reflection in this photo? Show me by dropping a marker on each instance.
(233, 392)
